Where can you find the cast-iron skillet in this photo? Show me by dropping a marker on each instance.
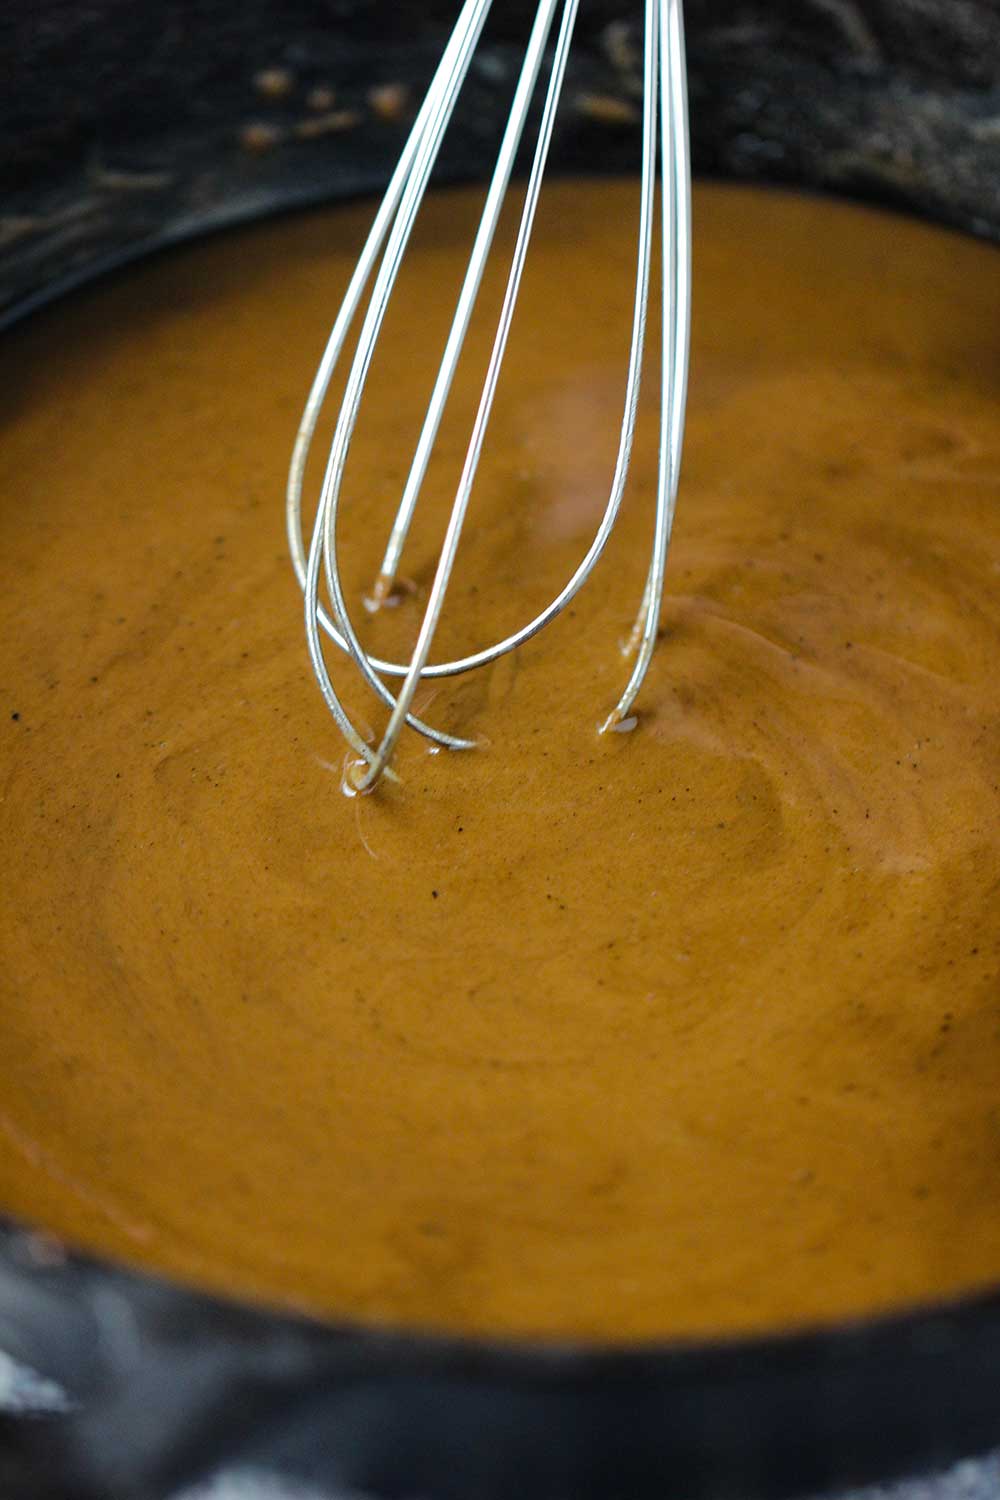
(130, 125)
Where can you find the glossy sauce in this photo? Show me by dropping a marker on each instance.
(684, 1031)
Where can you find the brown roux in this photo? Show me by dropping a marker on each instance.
(690, 1030)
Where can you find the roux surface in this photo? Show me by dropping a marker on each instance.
(690, 1030)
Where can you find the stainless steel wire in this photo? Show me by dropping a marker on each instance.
(664, 126)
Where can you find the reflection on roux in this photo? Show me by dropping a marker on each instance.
(691, 1030)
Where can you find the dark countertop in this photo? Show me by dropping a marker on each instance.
(127, 125)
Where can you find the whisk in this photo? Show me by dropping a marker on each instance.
(664, 126)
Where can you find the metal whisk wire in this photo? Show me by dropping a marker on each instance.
(665, 107)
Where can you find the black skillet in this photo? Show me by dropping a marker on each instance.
(126, 125)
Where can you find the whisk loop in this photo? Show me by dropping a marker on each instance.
(665, 123)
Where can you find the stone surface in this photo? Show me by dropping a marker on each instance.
(125, 125)
(118, 1386)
